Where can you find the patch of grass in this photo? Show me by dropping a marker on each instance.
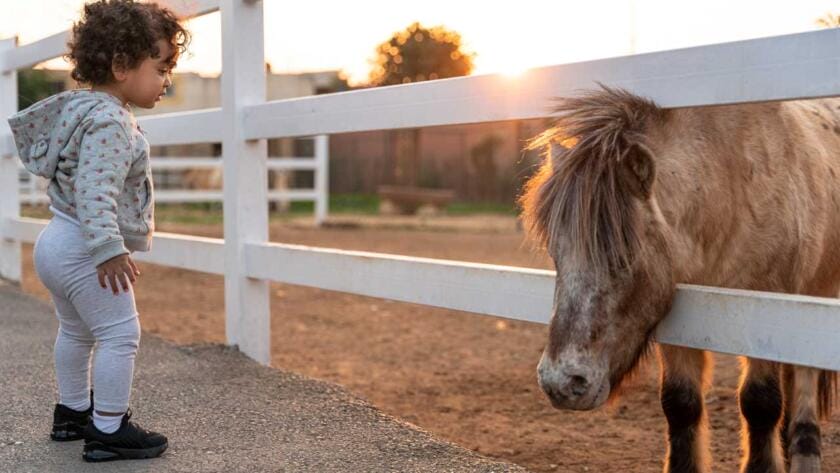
(342, 203)
(196, 213)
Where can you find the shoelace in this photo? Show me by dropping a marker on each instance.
(135, 427)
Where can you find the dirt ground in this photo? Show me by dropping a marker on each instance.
(466, 378)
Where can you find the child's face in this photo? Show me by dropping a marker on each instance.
(145, 84)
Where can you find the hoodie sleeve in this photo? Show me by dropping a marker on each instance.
(104, 160)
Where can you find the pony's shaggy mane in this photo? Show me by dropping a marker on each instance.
(577, 191)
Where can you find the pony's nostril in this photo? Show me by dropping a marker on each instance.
(578, 385)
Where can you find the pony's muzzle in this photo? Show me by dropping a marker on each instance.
(572, 387)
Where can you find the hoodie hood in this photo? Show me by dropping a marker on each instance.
(43, 129)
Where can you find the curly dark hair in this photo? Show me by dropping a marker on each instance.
(121, 32)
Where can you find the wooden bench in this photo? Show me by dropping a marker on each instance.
(409, 200)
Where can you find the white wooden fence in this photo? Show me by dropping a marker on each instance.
(795, 329)
(33, 190)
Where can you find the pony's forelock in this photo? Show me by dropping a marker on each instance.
(576, 192)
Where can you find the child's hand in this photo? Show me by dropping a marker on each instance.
(117, 267)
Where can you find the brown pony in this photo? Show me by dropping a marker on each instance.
(633, 199)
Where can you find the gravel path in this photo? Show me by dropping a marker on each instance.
(221, 412)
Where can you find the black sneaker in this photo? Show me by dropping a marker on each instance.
(69, 424)
(128, 442)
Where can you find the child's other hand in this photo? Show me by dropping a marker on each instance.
(117, 267)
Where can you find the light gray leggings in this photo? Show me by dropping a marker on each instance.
(87, 314)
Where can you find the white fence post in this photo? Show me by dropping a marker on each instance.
(247, 311)
(10, 255)
(322, 180)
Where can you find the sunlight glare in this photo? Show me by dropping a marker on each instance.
(514, 72)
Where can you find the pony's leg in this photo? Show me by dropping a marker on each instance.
(760, 399)
(804, 429)
(787, 414)
(685, 375)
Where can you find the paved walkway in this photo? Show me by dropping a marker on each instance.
(221, 412)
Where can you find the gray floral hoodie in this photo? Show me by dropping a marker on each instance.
(97, 159)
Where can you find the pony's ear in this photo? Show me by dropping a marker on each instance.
(638, 170)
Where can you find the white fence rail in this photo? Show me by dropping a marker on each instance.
(795, 329)
(33, 190)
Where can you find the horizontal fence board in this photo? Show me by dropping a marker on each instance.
(190, 162)
(795, 329)
(204, 195)
(293, 194)
(779, 327)
(34, 198)
(489, 289)
(7, 144)
(195, 126)
(777, 68)
(167, 196)
(187, 162)
(23, 229)
(803, 65)
(168, 249)
(55, 45)
(191, 252)
(190, 8)
(30, 54)
(292, 164)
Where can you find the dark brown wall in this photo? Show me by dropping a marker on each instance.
(483, 162)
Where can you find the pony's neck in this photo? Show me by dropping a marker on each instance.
(695, 186)
(749, 195)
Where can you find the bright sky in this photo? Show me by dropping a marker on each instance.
(508, 36)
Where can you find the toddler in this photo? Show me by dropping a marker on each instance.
(87, 143)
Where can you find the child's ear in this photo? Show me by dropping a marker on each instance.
(119, 67)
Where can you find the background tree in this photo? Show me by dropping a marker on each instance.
(33, 85)
(417, 54)
(829, 20)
